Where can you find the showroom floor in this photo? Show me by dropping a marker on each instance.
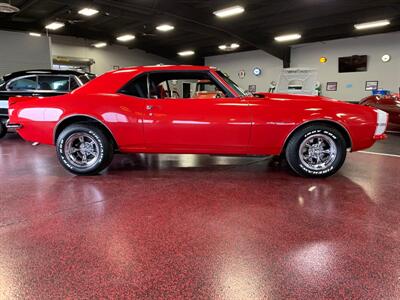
(174, 227)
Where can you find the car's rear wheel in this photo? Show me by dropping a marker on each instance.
(316, 151)
(3, 130)
(84, 149)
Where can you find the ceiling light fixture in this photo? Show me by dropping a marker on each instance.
(100, 45)
(230, 11)
(126, 38)
(165, 27)
(230, 47)
(35, 34)
(288, 37)
(55, 26)
(369, 25)
(186, 53)
(88, 12)
(7, 8)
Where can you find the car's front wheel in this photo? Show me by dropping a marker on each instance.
(84, 149)
(316, 151)
(3, 130)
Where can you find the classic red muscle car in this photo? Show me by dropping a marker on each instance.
(389, 104)
(154, 109)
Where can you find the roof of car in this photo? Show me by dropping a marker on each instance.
(167, 67)
(41, 71)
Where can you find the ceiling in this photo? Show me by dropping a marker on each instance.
(198, 29)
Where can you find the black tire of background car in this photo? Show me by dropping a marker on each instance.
(292, 150)
(3, 130)
(106, 145)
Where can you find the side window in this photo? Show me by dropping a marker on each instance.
(53, 83)
(136, 87)
(23, 84)
(73, 84)
(185, 85)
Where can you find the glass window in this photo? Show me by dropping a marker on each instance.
(53, 83)
(185, 85)
(137, 87)
(232, 84)
(73, 84)
(23, 84)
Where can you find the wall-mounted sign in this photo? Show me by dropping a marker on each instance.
(371, 85)
(257, 71)
(242, 74)
(323, 60)
(386, 58)
(252, 88)
(331, 86)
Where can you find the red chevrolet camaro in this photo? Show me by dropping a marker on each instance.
(158, 109)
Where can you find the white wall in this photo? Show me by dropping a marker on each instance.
(19, 51)
(234, 62)
(375, 46)
(105, 58)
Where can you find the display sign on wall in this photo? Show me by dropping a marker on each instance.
(331, 86)
(252, 88)
(371, 85)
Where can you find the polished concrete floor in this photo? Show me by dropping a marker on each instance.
(198, 227)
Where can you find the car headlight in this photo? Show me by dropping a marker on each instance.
(382, 121)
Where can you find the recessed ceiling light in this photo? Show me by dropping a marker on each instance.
(99, 45)
(55, 26)
(88, 12)
(230, 11)
(126, 38)
(165, 27)
(369, 25)
(287, 38)
(34, 34)
(186, 53)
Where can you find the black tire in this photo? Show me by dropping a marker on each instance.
(300, 160)
(93, 139)
(3, 130)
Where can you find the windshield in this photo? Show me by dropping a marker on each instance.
(232, 84)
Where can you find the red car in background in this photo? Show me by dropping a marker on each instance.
(157, 109)
(389, 104)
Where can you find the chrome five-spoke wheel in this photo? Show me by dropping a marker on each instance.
(82, 150)
(318, 152)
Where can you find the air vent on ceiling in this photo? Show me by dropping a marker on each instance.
(7, 8)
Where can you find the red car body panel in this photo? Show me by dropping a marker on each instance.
(238, 125)
(389, 104)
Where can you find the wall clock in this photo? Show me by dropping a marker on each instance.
(386, 58)
(257, 71)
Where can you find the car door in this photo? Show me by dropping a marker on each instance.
(202, 123)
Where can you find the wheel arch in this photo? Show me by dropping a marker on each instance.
(74, 119)
(343, 130)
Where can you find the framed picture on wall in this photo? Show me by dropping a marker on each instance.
(331, 86)
(371, 85)
(252, 88)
